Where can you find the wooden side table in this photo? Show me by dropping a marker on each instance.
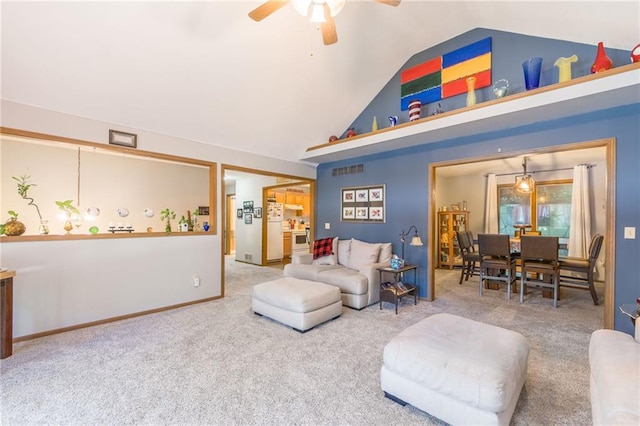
(390, 291)
(6, 313)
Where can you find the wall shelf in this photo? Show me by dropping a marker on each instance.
(595, 92)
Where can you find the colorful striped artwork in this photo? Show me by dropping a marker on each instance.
(445, 76)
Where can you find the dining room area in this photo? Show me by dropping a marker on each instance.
(530, 228)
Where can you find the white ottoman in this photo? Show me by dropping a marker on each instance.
(301, 304)
(459, 370)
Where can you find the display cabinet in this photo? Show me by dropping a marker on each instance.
(449, 222)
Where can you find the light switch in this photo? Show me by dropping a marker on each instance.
(630, 232)
(327, 225)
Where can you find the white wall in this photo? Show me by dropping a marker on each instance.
(249, 236)
(66, 283)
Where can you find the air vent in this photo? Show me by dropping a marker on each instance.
(348, 170)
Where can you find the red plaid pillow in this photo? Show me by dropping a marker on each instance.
(322, 247)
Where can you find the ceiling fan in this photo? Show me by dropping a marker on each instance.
(320, 11)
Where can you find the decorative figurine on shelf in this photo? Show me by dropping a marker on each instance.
(393, 120)
(333, 138)
(438, 110)
(602, 61)
(564, 67)
(374, 125)
(635, 54)
(350, 133)
(501, 88)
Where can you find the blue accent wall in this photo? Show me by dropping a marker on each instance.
(405, 172)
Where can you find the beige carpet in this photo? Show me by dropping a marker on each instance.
(218, 363)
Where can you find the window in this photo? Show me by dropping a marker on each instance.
(551, 202)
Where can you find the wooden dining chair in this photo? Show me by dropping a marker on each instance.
(583, 269)
(539, 266)
(470, 257)
(496, 261)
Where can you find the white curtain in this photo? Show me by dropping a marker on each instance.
(580, 234)
(491, 205)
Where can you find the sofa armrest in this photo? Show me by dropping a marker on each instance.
(301, 258)
(373, 277)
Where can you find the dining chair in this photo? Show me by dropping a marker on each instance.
(584, 267)
(496, 261)
(539, 264)
(470, 257)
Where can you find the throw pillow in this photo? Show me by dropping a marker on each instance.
(363, 254)
(386, 252)
(324, 251)
(344, 250)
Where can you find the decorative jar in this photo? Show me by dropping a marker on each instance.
(397, 263)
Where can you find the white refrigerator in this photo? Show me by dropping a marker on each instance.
(274, 232)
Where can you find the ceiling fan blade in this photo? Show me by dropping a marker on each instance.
(389, 2)
(329, 34)
(266, 9)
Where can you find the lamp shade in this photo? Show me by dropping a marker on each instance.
(316, 8)
(525, 184)
(416, 241)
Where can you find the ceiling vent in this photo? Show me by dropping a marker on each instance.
(348, 170)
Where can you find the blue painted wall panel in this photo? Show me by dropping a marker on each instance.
(405, 172)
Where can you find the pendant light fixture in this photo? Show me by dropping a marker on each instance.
(525, 182)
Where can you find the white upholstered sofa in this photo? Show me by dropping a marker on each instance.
(614, 358)
(353, 267)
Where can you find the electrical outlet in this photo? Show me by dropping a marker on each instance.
(327, 225)
(196, 280)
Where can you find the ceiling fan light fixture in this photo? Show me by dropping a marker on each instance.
(302, 6)
(335, 6)
(317, 13)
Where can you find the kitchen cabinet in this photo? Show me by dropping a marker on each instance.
(306, 205)
(449, 223)
(286, 244)
(280, 197)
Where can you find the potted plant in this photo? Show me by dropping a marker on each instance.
(167, 215)
(69, 209)
(13, 227)
(23, 189)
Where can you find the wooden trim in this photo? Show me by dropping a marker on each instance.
(610, 237)
(212, 166)
(113, 148)
(113, 319)
(102, 236)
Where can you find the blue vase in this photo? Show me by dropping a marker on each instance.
(531, 68)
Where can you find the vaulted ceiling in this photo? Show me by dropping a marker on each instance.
(204, 71)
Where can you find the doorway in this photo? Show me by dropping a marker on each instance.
(246, 203)
(451, 186)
